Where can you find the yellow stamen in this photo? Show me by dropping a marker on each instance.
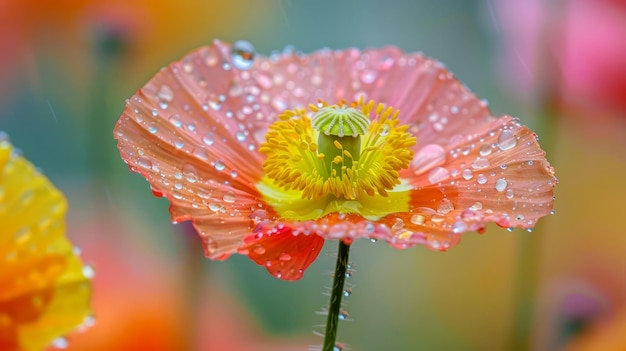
(357, 159)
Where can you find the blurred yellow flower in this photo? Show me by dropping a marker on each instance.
(44, 287)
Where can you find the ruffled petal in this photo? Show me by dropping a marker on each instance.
(284, 254)
(497, 173)
(44, 287)
(194, 145)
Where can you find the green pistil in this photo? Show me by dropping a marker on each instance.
(340, 135)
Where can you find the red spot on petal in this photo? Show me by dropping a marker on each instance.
(285, 256)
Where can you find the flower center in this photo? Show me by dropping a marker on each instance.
(344, 151)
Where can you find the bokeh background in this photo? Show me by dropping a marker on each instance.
(67, 66)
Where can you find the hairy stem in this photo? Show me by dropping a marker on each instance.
(335, 297)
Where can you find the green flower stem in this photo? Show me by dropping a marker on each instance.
(335, 297)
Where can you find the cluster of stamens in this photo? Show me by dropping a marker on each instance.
(340, 151)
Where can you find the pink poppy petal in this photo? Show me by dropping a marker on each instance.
(193, 151)
(498, 174)
(285, 256)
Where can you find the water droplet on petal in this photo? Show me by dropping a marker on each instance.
(284, 257)
(501, 184)
(480, 163)
(459, 227)
(368, 76)
(152, 128)
(165, 93)
(144, 162)
(190, 173)
(179, 143)
(219, 165)
(467, 174)
(429, 156)
(88, 272)
(485, 150)
(60, 343)
(438, 175)
(477, 206)
(445, 206)
(229, 197)
(243, 54)
(208, 139)
(418, 219)
(481, 179)
(507, 140)
(175, 120)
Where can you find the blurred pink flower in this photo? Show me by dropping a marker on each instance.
(229, 140)
(585, 39)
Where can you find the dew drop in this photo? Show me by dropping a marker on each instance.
(88, 272)
(190, 173)
(343, 315)
(229, 197)
(459, 227)
(481, 179)
(509, 193)
(476, 206)
(165, 93)
(219, 165)
(155, 112)
(234, 173)
(480, 163)
(152, 128)
(431, 155)
(445, 206)
(438, 175)
(347, 292)
(485, 150)
(144, 162)
(368, 76)
(60, 343)
(418, 219)
(163, 105)
(467, 174)
(179, 143)
(259, 250)
(215, 207)
(285, 257)
(507, 140)
(241, 136)
(175, 120)
(384, 130)
(243, 54)
(501, 184)
(208, 139)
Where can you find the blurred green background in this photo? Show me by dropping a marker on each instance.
(67, 67)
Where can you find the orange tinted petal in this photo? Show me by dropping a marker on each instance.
(44, 292)
(284, 255)
(495, 174)
(195, 149)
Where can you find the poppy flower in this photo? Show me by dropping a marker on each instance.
(44, 287)
(271, 156)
